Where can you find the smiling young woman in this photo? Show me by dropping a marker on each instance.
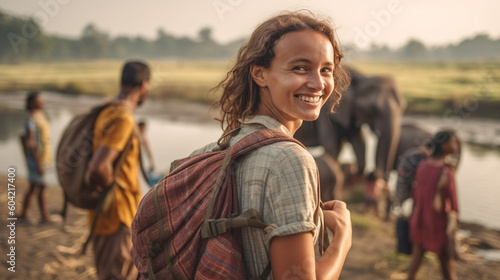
(299, 80)
(288, 69)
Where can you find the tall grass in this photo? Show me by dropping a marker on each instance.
(442, 81)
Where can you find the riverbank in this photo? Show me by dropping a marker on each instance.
(45, 251)
(51, 251)
(483, 132)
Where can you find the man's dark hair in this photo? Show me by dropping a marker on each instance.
(135, 73)
(30, 99)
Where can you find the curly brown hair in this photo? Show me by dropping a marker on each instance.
(240, 95)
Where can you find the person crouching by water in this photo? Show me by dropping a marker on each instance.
(36, 145)
(288, 69)
(435, 211)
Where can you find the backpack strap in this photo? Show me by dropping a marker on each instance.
(249, 143)
(251, 217)
(141, 164)
(106, 196)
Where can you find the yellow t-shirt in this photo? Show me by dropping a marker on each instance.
(113, 128)
(43, 139)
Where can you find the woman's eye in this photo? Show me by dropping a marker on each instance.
(326, 70)
(299, 68)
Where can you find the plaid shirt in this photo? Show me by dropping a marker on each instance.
(280, 181)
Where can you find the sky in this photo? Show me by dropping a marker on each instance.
(359, 22)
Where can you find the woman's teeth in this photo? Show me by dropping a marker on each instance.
(314, 99)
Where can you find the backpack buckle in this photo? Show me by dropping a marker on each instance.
(213, 227)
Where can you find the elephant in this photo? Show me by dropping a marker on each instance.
(374, 101)
(412, 137)
(331, 177)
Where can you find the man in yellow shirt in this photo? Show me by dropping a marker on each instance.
(113, 128)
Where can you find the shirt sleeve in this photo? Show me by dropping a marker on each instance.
(117, 130)
(30, 125)
(291, 193)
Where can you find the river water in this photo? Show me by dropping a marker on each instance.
(172, 137)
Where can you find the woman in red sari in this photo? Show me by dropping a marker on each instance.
(435, 209)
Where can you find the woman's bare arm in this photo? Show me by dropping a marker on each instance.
(293, 256)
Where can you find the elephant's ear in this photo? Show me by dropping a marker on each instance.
(365, 107)
(344, 111)
(392, 93)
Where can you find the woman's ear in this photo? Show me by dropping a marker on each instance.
(258, 75)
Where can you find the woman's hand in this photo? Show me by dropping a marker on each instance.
(338, 220)
(41, 170)
(452, 226)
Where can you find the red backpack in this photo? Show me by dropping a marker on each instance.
(183, 228)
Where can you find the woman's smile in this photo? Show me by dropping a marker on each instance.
(309, 99)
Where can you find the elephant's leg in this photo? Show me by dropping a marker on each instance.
(359, 147)
(339, 185)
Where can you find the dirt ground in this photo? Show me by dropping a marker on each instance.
(373, 254)
(51, 251)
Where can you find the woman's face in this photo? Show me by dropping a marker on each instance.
(451, 146)
(37, 103)
(299, 80)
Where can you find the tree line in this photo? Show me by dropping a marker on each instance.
(23, 39)
(479, 47)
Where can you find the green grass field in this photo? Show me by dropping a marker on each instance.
(439, 80)
(427, 86)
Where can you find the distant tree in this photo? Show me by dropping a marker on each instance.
(231, 48)
(380, 52)
(165, 44)
(94, 43)
(21, 39)
(64, 48)
(205, 35)
(414, 50)
(479, 47)
(141, 47)
(206, 47)
(121, 47)
(184, 47)
(440, 53)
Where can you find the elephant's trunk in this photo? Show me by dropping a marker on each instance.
(388, 132)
